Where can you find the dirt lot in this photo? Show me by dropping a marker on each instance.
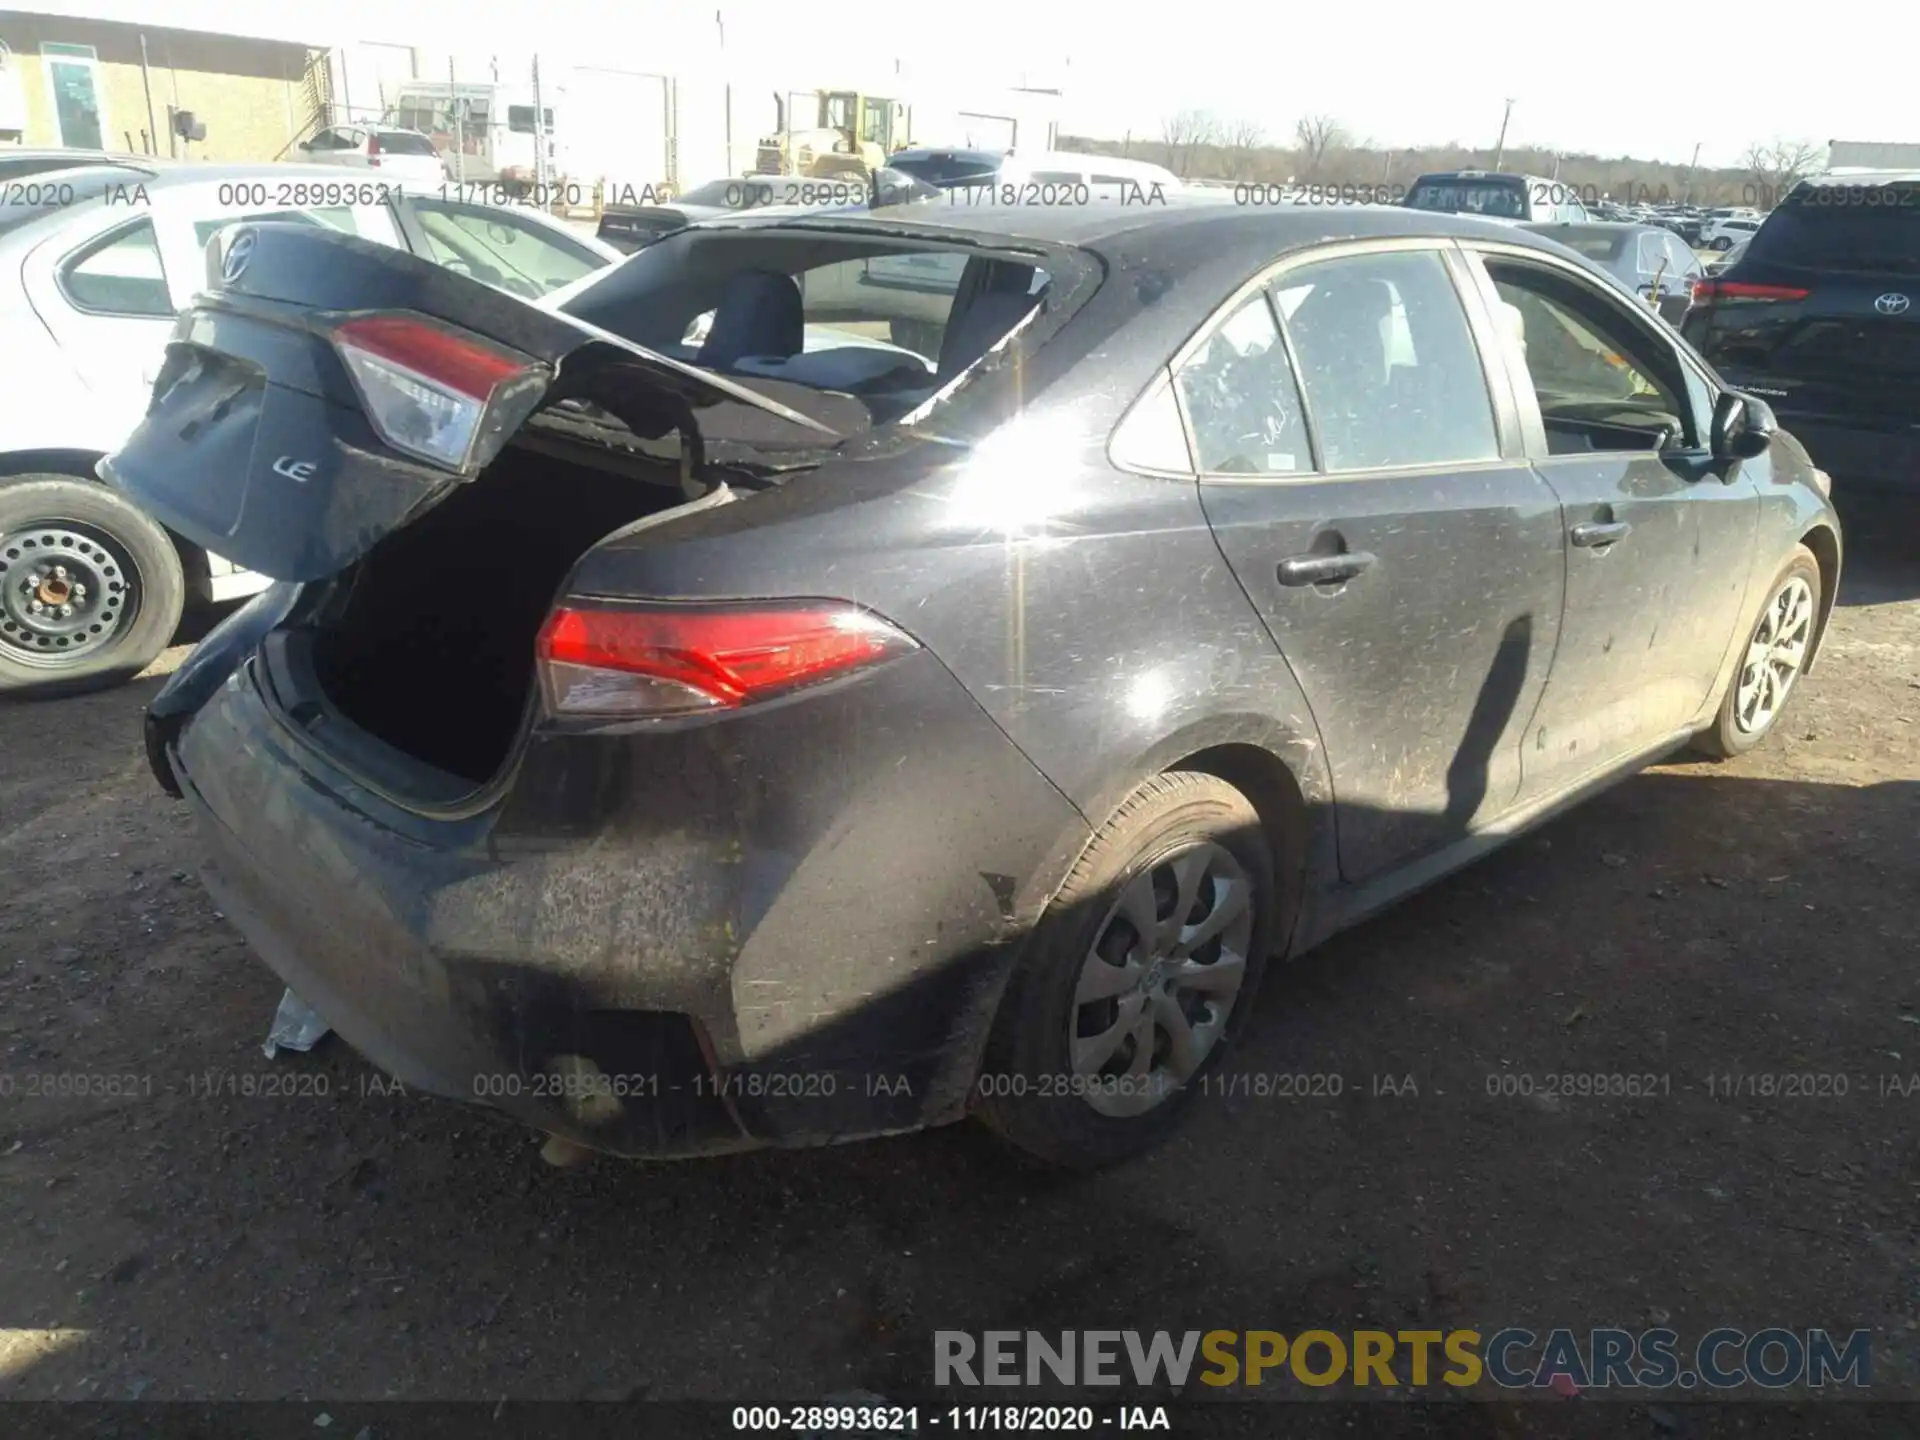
(1757, 917)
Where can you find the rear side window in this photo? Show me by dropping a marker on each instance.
(119, 275)
(1242, 403)
(400, 142)
(1859, 227)
(1388, 362)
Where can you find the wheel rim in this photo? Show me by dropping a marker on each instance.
(1774, 656)
(67, 591)
(1161, 979)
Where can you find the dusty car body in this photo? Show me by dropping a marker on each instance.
(692, 759)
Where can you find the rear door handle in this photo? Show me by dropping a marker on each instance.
(1595, 536)
(1323, 569)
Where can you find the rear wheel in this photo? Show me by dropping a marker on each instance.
(91, 590)
(1769, 668)
(1140, 974)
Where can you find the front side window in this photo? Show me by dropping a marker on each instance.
(1388, 362)
(1600, 381)
(1242, 404)
(119, 275)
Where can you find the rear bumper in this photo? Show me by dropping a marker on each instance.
(785, 928)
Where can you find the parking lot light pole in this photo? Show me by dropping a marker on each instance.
(1687, 198)
(1500, 149)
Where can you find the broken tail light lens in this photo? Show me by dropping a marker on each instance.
(437, 393)
(639, 662)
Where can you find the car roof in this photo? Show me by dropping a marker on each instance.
(1596, 227)
(958, 152)
(1864, 177)
(1250, 232)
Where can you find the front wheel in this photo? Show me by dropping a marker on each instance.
(91, 590)
(1769, 668)
(1721, 242)
(1139, 975)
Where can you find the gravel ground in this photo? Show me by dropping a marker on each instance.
(1753, 918)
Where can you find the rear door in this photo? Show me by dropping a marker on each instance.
(102, 290)
(262, 445)
(1821, 314)
(1382, 516)
(1660, 535)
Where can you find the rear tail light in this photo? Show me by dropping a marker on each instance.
(681, 660)
(373, 146)
(1741, 290)
(435, 392)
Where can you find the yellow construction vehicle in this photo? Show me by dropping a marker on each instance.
(851, 138)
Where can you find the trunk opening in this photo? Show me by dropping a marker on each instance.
(427, 643)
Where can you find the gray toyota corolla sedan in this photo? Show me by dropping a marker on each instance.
(683, 731)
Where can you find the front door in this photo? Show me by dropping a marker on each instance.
(73, 75)
(1408, 561)
(1660, 535)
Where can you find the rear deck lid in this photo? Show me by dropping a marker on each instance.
(325, 391)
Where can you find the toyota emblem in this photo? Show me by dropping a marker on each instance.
(241, 251)
(1892, 303)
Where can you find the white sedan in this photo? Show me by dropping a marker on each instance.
(105, 254)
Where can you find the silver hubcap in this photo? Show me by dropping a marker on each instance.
(1774, 656)
(1161, 979)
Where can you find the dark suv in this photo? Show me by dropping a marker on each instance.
(1821, 315)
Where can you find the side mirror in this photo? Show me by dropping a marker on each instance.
(1743, 426)
(305, 145)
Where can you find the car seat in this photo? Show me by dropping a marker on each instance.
(760, 313)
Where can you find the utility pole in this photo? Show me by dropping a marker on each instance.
(1500, 150)
(539, 139)
(1687, 198)
(459, 123)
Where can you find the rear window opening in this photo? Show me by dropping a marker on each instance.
(885, 323)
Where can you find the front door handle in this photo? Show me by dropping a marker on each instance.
(1593, 535)
(1323, 569)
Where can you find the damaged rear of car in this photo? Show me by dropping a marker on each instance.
(562, 769)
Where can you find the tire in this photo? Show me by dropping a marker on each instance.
(124, 587)
(1721, 242)
(1178, 826)
(1741, 724)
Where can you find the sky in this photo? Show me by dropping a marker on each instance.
(1644, 80)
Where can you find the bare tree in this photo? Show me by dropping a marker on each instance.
(1186, 132)
(1777, 166)
(1242, 140)
(1318, 136)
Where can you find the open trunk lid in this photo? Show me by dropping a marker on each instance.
(325, 391)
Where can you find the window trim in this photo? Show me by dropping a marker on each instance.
(1639, 316)
(1508, 420)
(103, 240)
